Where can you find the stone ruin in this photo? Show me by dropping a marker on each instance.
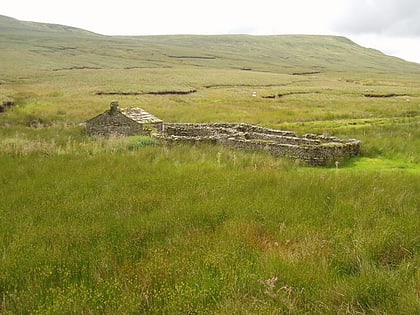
(122, 122)
(315, 150)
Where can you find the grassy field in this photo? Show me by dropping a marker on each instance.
(129, 226)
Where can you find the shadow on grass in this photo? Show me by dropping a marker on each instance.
(378, 163)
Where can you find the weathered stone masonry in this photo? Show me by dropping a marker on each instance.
(122, 122)
(311, 149)
(316, 150)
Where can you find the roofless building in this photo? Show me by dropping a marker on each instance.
(316, 150)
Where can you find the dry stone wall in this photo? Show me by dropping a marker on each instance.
(316, 150)
(310, 149)
(123, 122)
(113, 124)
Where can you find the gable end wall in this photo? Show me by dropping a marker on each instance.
(115, 124)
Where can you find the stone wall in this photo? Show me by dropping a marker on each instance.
(110, 123)
(311, 149)
(123, 122)
(191, 129)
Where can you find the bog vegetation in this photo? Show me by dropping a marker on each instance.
(128, 226)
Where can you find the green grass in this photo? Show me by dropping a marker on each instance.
(129, 226)
(169, 230)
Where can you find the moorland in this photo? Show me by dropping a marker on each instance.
(126, 225)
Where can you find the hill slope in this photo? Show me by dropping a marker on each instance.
(37, 46)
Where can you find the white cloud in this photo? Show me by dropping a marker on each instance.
(392, 26)
(182, 16)
(386, 17)
(405, 48)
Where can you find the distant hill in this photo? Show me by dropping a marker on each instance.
(10, 25)
(50, 47)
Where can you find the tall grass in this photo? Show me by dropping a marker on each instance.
(203, 230)
(123, 225)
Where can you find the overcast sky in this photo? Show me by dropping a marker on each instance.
(392, 26)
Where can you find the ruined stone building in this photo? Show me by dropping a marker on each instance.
(123, 122)
(311, 149)
(316, 150)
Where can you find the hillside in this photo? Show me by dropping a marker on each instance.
(47, 47)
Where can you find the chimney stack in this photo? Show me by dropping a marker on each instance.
(114, 107)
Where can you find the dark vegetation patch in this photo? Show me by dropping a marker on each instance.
(149, 93)
(268, 96)
(243, 85)
(119, 93)
(77, 68)
(411, 113)
(61, 48)
(306, 73)
(52, 49)
(193, 57)
(172, 92)
(6, 105)
(383, 95)
(289, 93)
(145, 67)
(295, 93)
(58, 48)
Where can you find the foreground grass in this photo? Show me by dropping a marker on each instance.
(155, 230)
